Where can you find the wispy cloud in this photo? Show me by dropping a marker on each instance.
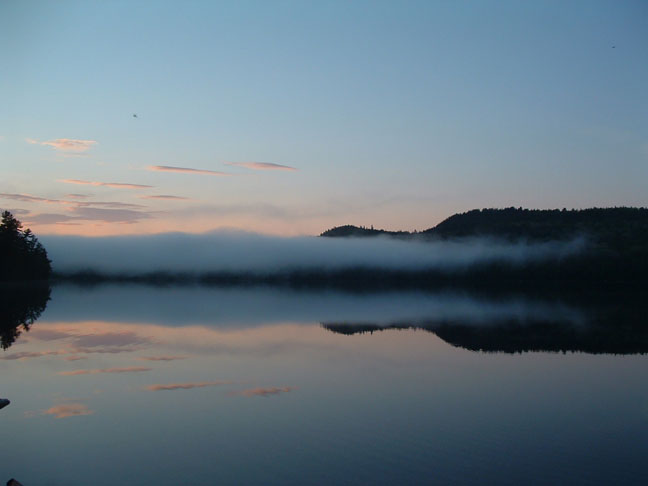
(27, 355)
(186, 386)
(117, 185)
(105, 204)
(68, 410)
(17, 211)
(27, 198)
(77, 196)
(130, 369)
(262, 166)
(186, 170)
(123, 338)
(66, 144)
(89, 214)
(48, 334)
(48, 218)
(106, 350)
(74, 358)
(38, 199)
(166, 197)
(110, 215)
(161, 358)
(103, 211)
(265, 392)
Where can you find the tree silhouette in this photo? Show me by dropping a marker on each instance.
(22, 257)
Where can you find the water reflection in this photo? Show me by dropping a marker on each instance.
(592, 323)
(19, 308)
(615, 324)
(516, 337)
(246, 387)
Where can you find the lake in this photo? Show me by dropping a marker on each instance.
(204, 385)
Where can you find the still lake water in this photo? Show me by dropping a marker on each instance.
(166, 386)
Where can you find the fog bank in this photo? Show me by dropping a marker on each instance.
(226, 251)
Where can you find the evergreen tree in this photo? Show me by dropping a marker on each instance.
(22, 257)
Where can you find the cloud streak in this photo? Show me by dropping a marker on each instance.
(186, 386)
(130, 369)
(104, 215)
(28, 198)
(266, 392)
(117, 339)
(262, 166)
(186, 170)
(27, 355)
(68, 410)
(165, 197)
(117, 185)
(79, 204)
(66, 144)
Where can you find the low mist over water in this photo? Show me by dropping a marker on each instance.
(255, 253)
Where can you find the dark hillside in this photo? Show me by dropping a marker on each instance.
(613, 226)
(361, 231)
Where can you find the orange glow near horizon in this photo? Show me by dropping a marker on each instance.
(202, 223)
(159, 226)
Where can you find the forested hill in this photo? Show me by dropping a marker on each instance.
(610, 225)
(350, 230)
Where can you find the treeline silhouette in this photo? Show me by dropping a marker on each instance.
(350, 230)
(22, 257)
(616, 251)
(617, 227)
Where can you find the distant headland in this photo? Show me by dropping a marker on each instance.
(614, 227)
(616, 252)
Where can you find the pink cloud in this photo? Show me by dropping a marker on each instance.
(74, 358)
(118, 185)
(130, 369)
(186, 386)
(186, 170)
(261, 166)
(66, 144)
(68, 410)
(264, 392)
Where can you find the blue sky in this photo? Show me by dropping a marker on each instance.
(394, 114)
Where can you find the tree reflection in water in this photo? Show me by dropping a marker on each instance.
(616, 324)
(20, 307)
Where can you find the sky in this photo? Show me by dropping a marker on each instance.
(291, 117)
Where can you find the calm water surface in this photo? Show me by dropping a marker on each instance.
(138, 385)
